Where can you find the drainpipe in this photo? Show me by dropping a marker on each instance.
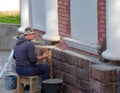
(24, 11)
(112, 51)
(51, 21)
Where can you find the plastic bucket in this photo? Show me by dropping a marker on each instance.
(10, 82)
(52, 85)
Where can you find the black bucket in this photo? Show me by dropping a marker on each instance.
(10, 82)
(52, 85)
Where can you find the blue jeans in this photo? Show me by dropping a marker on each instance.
(42, 69)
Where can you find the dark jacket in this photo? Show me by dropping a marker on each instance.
(24, 53)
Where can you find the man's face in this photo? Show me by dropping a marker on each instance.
(30, 36)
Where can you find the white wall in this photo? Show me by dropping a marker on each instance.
(9, 5)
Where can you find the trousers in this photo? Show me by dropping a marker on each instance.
(42, 69)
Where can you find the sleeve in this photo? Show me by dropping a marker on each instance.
(31, 53)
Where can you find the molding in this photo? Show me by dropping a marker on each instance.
(89, 47)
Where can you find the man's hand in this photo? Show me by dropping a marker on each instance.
(45, 55)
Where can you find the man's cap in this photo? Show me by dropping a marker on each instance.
(29, 30)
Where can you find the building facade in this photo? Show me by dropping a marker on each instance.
(85, 34)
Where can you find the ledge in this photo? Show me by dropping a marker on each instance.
(89, 47)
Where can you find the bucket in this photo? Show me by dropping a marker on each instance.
(52, 85)
(10, 82)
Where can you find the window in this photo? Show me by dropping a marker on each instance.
(38, 14)
(83, 25)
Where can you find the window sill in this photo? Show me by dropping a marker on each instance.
(89, 47)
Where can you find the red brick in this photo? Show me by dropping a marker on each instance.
(85, 86)
(67, 88)
(56, 54)
(95, 85)
(83, 74)
(75, 90)
(103, 75)
(57, 64)
(73, 70)
(65, 57)
(99, 87)
(68, 78)
(66, 67)
(58, 73)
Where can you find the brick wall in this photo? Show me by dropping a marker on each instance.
(101, 21)
(82, 74)
(64, 17)
(103, 79)
(73, 70)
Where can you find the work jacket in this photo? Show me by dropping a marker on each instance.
(24, 53)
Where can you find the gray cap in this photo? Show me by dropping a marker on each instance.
(29, 30)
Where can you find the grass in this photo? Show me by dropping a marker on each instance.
(10, 17)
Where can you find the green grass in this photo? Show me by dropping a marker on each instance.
(10, 17)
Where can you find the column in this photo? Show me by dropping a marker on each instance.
(112, 51)
(51, 21)
(24, 11)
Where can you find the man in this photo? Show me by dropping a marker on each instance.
(27, 63)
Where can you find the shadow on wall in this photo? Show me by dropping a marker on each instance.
(7, 31)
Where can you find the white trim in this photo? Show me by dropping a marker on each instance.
(89, 47)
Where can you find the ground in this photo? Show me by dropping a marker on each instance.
(3, 58)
